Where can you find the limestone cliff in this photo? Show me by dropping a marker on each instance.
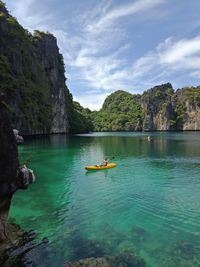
(157, 109)
(158, 106)
(32, 78)
(46, 46)
(189, 98)
(167, 110)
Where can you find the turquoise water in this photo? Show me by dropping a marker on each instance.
(149, 202)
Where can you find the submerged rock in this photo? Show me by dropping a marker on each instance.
(86, 248)
(127, 258)
(185, 250)
(181, 254)
(138, 235)
(15, 234)
(21, 248)
(90, 262)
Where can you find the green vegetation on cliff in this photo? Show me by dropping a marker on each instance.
(159, 108)
(121, 111)
(33, 82)
(192, 94)
(80, 120)
(23, 78)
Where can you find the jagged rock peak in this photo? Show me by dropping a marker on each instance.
(162, 87)
(3, 8)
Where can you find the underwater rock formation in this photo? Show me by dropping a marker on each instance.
(22, 248)
(181, 253)
(138, 235)
(127, 258)
(90, 262)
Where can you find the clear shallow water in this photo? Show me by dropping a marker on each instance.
(150, 201)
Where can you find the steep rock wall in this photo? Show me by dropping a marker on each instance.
(52, 61)
(32, 78)
(190, 101)
(158, 107)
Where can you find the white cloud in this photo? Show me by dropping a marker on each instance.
(125, 10)
(144, 65)
(169, 58)
(195, 74)
(93, 102)
(172, 53)
(22, 9)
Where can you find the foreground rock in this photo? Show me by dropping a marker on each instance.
(19, 138)
(127, 258)
(12, 177)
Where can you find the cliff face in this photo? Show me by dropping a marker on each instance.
(157, 109)
(52, 61)
(32, 78)
(167, 110)
(158, 106)
(190, 100)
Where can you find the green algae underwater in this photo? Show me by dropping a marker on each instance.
(149, 202)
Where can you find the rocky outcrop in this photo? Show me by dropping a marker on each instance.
(12, 177)
(167, 110)
(8, 166)
(19, 139)
(157, 104)
(190, 101)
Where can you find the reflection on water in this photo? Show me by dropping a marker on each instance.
(150, 201)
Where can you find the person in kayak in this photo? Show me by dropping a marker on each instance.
(105, 162)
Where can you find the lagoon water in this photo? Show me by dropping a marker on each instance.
(149, 202)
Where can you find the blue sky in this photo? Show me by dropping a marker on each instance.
(119, 44)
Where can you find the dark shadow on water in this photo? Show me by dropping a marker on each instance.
(94, 172)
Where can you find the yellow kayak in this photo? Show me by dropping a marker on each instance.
(100, 167)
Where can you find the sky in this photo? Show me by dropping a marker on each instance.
(111, 45)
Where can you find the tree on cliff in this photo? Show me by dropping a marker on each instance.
(12, 177)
